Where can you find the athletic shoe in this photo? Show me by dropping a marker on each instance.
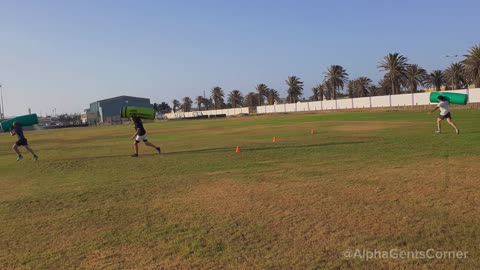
(19, 158)
(438, 131)
(457, 131)
(158, 150)
(35, 157)
(134, 155)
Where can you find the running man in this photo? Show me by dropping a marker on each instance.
(141, 135)
(16, 129)
(444, 114)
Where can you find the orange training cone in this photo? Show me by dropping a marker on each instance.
(313, 132)
(274, 139)
(237, 150)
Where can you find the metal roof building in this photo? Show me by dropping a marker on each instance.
(108, 110)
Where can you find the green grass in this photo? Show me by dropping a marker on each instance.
(364, 180)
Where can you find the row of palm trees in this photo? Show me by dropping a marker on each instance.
(400, 77)
(235, 99)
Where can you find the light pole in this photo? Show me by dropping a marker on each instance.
(452, 58)
(2, 109)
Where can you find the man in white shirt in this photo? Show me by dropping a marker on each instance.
(444, 114)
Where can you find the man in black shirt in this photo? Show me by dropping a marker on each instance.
(141, 135)
(16, 129)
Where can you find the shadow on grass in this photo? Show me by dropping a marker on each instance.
(247, 149)
(224, 149)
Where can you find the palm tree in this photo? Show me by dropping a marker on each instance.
(199, 101)
(187, 104)
(351, 86)
(316, 93)
(336, 76)
(373, 90)
(363, 85)
(395, 65)
(321, 91)
(217, 96)
(295, 88)
(328, 90)
(472, 65)
(176, 105)
(163, 108)
(385, 87)
(272, 96)
(414, 76)
(235, 98)
(436, 79)
(207, 103)
(251, 100)
(455, 76)
(262, 92)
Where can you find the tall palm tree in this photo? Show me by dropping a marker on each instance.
(272, 96)
(415, 76)
(336, 76)
(472, 65)
(217, 97)
(187, 104)
(455, 76)
(395, 65)
(436, 79)
(176, 105)
(199, 101)
(295, 88)
(262, 92)
(235, 98)
(363, 85)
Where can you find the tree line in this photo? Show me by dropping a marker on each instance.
(400, 76)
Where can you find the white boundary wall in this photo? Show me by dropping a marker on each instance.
(364, 102)
(228, 112)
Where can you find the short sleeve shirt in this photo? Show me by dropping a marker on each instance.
(139, 126)
(443, 105)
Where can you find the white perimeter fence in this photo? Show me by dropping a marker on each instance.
(228, 112)
(364, 102)
(348, 103)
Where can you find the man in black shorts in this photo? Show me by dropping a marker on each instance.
(141, 135)
(444, 114)
(16, 129)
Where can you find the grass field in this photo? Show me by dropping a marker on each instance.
(364, 181)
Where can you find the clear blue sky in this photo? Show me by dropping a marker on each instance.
(65, 54)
